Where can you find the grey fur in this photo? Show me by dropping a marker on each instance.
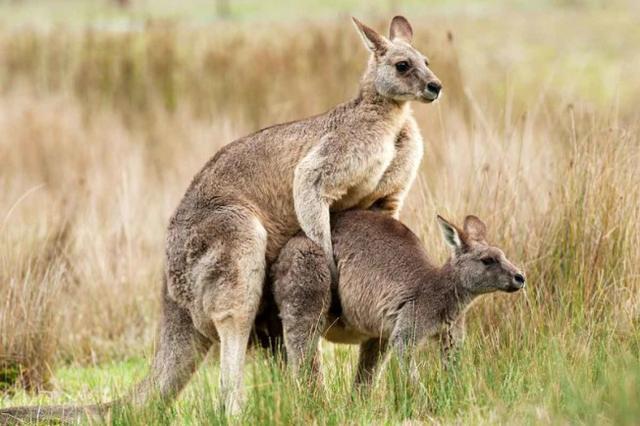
(389, 293)
(259, 191)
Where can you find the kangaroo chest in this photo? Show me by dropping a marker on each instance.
(372, 176)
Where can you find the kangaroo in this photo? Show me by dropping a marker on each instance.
(389, 293)
(259, 191)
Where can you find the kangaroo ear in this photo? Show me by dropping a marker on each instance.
(372, 40)
(400, 29)
(475, 228)
(451, 234)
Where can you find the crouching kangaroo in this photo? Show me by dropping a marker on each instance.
(259, 191)
(389, 293)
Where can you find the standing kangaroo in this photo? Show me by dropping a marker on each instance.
(389, 293)
(259, 191)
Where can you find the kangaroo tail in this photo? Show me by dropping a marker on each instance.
(180, 351)
(60, 413)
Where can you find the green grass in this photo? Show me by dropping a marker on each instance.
(540, 378)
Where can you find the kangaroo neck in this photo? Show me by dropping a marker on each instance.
(369, 98)
(377, 112)
(459, 298)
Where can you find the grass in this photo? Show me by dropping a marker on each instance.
(504, 385)
(537, 133)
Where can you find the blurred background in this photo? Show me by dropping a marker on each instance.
(108, 108)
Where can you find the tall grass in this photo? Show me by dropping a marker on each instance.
(100, 133)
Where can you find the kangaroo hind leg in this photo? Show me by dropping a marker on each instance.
(371, 353)
(232, 276)
(302, 289)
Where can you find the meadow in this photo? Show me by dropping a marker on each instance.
(103, 126)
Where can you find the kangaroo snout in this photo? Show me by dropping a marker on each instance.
(517, 283)
(432, 90)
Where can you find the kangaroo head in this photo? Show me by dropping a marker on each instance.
(396, 69)
(481, 267)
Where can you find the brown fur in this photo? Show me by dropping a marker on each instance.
(389, 292)
(260, 190)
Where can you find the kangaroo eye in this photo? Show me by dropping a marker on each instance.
(489, 260)
(403, 66)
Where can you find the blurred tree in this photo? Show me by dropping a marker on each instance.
(122, 3)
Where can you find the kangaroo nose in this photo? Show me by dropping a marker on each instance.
(519, 278)
(434, 87)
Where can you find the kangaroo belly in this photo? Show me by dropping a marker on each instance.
(338, 331)
(362, 314)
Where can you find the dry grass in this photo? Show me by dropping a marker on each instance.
(100, 133)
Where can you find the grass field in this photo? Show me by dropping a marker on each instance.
(106, 114)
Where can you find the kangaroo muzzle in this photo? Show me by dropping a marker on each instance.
(517, 282)
(432, 91)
